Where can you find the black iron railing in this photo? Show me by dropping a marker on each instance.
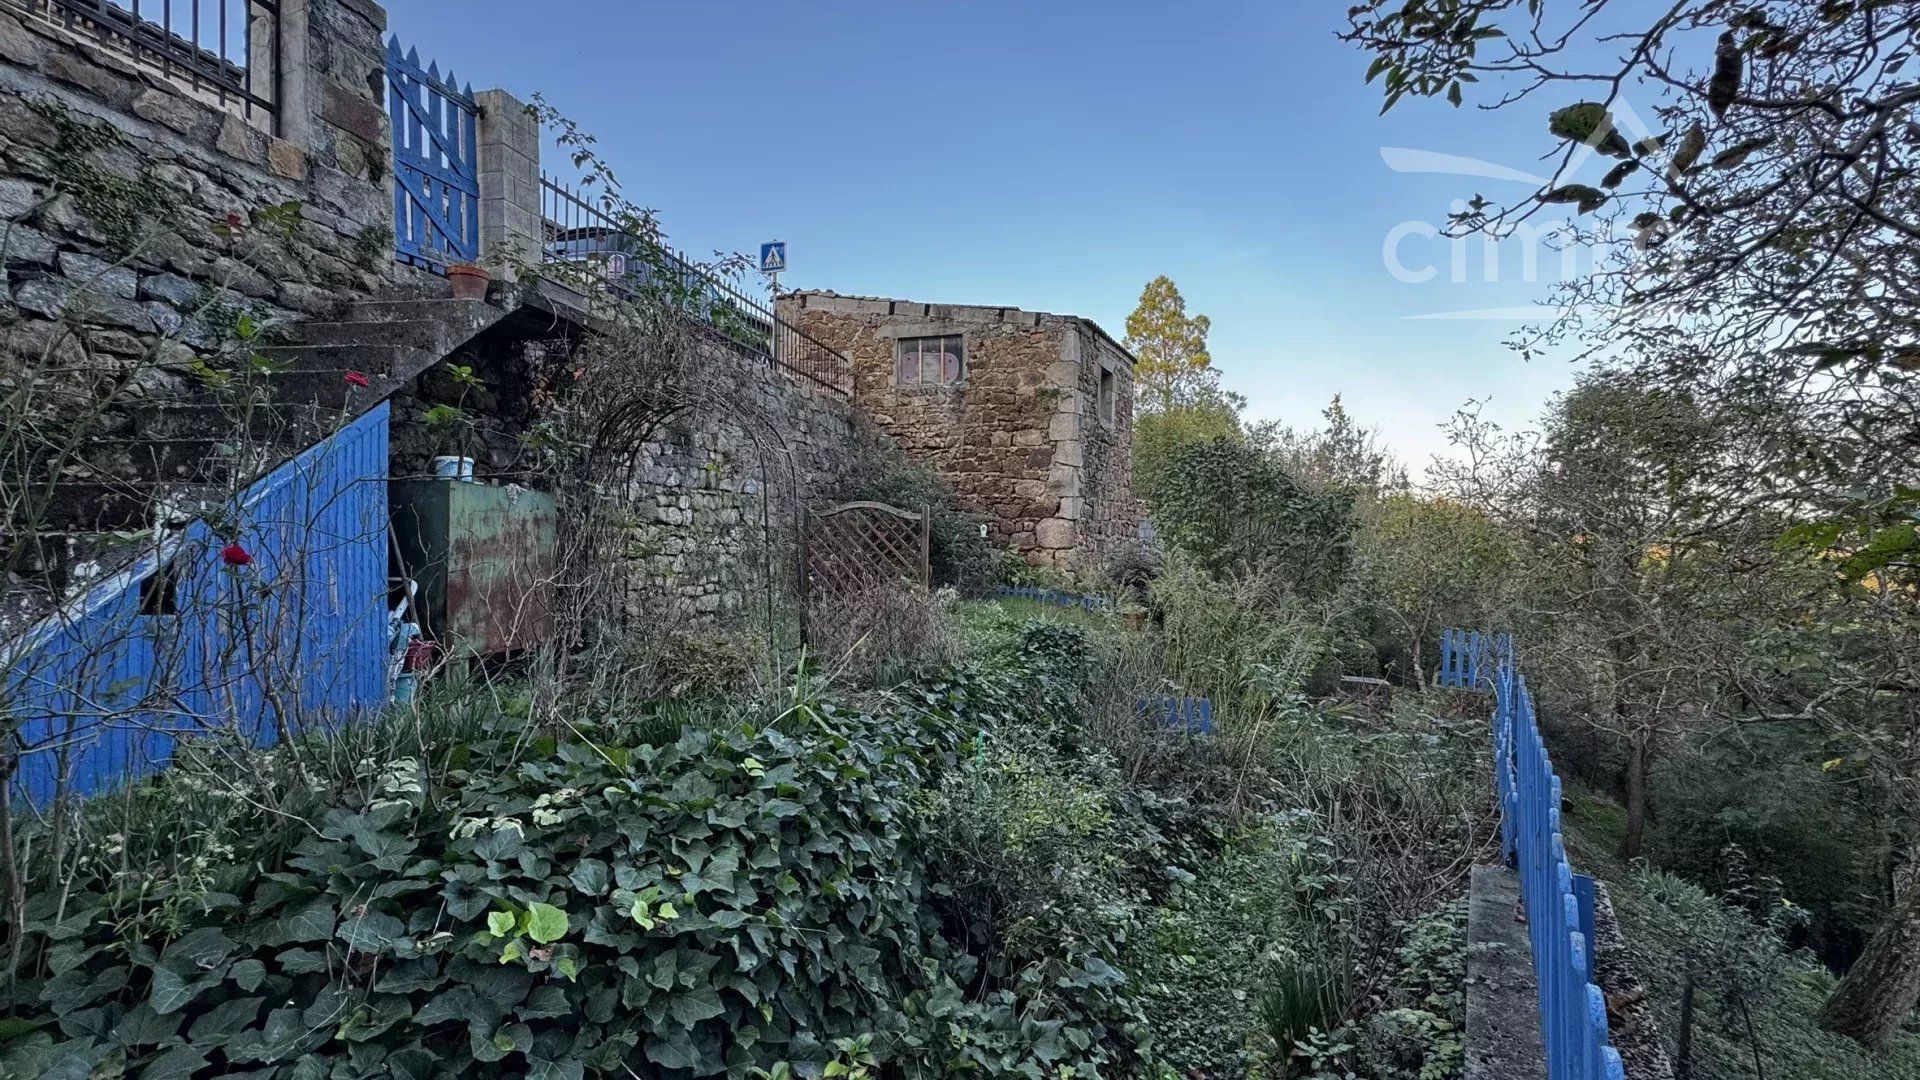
(222, 49)
(606, 252)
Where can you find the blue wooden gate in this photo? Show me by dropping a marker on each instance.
(436, 191)
(1468, 659)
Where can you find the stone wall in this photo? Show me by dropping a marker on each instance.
(1022, 437)
(716, 495)
(127, 199)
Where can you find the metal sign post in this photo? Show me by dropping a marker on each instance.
(773, 259)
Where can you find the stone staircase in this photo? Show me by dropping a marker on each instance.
(172, 458)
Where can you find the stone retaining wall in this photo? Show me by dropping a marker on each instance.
(129, 202)
(716, 495)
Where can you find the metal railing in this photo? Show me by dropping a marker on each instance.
(581, 235)
(1559, 903)
(222, 50)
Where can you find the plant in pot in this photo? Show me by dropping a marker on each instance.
(469, 281)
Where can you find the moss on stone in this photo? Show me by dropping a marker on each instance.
(120, 206)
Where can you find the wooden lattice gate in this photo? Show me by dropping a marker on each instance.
(858, 548)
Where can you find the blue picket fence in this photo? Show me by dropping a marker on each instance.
(436, 163)
(1188, 715)
(1559, 902)
(181, 642)
(1469, 658)
(1058, 598)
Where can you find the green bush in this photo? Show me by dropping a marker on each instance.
(750, 895)
(959, 553)
(1234, 509)
(1766, 798)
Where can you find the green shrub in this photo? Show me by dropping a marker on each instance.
(958, 550)
(752, 894)
(1236, 511)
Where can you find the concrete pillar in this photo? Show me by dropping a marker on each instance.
(510, 230)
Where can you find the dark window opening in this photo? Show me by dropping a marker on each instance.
(930, 361)
(160, 590)
(1106, 394)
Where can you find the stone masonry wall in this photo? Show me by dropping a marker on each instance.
(1104, 510)
(1021, 438)
(123, 190)
(715, 496)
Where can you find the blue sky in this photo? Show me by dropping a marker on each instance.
(1053, 157)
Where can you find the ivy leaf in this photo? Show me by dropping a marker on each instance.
(248, 974)
(696, 1005)
(226, 1020)
(301, 961)
(311, 923)
(458, 1003)
(781, 808)
(547, 923)
(591, 876)
(144, 1027)
(674, 1051)
(500, 923)
(179, 1063)
(172, 991)
(372, 932)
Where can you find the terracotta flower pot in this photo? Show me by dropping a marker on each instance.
(469, 281)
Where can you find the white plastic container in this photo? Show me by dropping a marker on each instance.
(454, 468)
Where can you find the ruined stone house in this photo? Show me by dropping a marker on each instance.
(1028, 414)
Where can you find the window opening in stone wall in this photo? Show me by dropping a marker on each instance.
(930, 361)
(1106, 394)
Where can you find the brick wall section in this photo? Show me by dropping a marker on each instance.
(115, 185)
(1021, 438)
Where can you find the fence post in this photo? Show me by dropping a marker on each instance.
(510, 231)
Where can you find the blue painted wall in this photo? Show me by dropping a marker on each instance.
(100, 692)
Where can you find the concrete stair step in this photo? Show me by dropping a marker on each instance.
(121, 505)
(367, 359)
(371, 332)
(331, 390)
(447, 312)
(180, 459)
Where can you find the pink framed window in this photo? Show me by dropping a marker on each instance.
(930, 361)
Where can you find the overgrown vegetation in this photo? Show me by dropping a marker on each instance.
(1756, 998)
(1722, 519)
(1001, 867)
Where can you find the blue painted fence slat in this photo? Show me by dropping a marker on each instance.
(436, 191)
(1573, 1013)
(1188, 715)
(100, 692)
(1468, 660)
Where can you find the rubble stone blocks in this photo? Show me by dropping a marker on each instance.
(153, 179)
(1024, 438)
